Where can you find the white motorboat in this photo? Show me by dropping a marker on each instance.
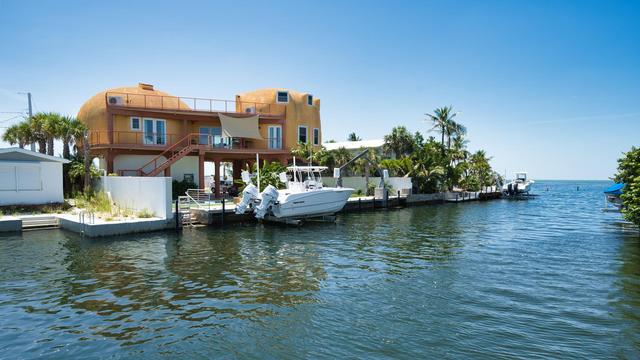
(304, 197)
(520, 185)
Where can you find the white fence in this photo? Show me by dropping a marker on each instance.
(358, 183)
(138, 193)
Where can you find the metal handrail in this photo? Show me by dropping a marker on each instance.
(199, 194)
(82, 215)
(168, 153)
(168, 102)
(106, 137)
(102, 137)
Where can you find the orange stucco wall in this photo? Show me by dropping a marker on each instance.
(298, 112)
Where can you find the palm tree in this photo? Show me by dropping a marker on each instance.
(399, 141)
(454, 129)
(25, 134)
(11, 136)
(442, 121)
(71, 130)
(36, 126)
(52, 129)
(353, 137)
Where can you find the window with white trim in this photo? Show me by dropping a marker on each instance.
(302, 134)
(135, 123)
(282, 97)
(310, 100)
(316, 136)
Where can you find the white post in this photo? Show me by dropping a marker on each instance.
(258, 169)
(295, 176)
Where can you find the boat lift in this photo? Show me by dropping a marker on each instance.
(337, 172)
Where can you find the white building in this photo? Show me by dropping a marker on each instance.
(30, 178)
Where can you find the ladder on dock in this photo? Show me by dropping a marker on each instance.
(184, 210)
(40, 222)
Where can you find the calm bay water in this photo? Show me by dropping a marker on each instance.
(552, 277)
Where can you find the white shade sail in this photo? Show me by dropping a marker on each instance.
(240, 127)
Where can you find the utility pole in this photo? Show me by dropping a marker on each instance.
(33, 146)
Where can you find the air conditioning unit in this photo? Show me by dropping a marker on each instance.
(250, 109)
(115, 100)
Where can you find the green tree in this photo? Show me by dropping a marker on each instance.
(270, 174)
(400, 142)
(441, 121)
(71, 132)
(52, 128)
(11, 135)
(429, 167)
(353, 137)
(309, 153)
(629, 174)
(36, 124)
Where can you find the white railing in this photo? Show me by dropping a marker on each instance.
(200, 197)
(85, 215)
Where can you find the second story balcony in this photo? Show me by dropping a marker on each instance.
(190, 104)
(159, 141)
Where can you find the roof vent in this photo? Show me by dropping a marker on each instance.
(144, 86)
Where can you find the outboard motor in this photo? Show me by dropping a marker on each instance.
(269, 197)
(249, 195)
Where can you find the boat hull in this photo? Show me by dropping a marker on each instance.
(326, 201)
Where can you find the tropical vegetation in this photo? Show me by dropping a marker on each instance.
(434, 165)
(629, 174)
(42, 129)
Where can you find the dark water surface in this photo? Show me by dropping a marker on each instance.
(553, 277)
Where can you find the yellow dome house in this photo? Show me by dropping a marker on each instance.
(141, 131)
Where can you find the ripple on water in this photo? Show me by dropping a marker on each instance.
(552, 277)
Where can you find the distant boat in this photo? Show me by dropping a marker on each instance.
(520, 185)
(612, 196)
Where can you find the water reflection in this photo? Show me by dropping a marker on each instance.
(553, 277)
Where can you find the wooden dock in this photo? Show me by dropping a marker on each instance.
(222, 215)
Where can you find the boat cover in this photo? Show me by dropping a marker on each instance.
(615, 189)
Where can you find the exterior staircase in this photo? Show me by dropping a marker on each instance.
(172, 154)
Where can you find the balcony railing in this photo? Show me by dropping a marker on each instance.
(165, 102)
(157, 140)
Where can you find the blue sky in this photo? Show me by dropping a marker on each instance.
(552, 87)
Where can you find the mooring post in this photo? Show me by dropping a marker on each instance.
(374, 202)
(178, 219)
(222, 215)
(359, 204)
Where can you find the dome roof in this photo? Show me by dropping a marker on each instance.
(268, 95)
(96, 106)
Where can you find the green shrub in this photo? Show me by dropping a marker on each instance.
(145, 214)
(179, 188)
(629, 174)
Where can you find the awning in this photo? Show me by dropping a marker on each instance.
(615, 189)
(240, 127)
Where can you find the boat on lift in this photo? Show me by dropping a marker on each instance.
(612, 197)
(521, 185)
(304, 197)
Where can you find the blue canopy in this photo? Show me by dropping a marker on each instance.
(615, 189)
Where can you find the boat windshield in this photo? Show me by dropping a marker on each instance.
(305, 177)
(521, 176)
